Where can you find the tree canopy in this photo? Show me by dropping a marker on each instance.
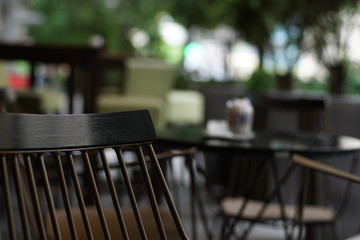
(75, 21)
(256, 21)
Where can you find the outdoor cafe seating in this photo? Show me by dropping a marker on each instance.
(261, 185)
(245, 197)
(234, 208)
(276, 113)
(226, 120)
(147, 83)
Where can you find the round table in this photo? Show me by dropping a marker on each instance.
(261, 141)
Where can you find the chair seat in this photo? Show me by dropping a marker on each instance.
(312, 213)
(356, 237)
(112, 222)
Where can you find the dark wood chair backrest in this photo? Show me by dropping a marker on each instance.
(72, 131)
(31, 144)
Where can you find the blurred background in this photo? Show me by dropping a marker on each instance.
(258, 45)
(217, 50)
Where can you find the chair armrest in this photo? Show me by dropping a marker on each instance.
(160, 156)
(321, 167)
(175, 153)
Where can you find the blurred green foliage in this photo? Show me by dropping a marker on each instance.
(261, 81)
(353, 80)
(76, 21)
(312, 84)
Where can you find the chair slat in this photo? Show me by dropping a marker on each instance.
(20, 197)
(65, 195)
(49, 197)
(96, 195)
(8, 202)
(151, 193)
(166, 191)
(114, 195)
(35, 198)
(79, 196)
(131, 193)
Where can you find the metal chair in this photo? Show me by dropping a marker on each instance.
(313, 165)
(68, 140)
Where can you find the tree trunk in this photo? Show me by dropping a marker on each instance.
(261, 55)
(284, 82)
(337, 79)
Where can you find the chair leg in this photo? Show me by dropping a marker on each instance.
(302, 228)
(247, 232)
(335, 230)
(203, 217)
(224, 230)
(231, 228)
(288, 232)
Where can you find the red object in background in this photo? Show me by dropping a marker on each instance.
(18, 82)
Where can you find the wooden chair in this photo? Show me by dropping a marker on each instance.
(326, 169)
(279, 113)
(90, 139)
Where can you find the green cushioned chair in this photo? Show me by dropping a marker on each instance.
(147, 82)
(185, 107)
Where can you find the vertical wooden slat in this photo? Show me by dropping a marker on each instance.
(151, 193)
(20, 197)
(79, 196)
(95, 194)
(65, 195)
(166, 192)
(8, 202)
(35, 198)
(113, 194)
(131, 194)
(49, 198)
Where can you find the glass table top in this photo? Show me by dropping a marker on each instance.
(259, 141)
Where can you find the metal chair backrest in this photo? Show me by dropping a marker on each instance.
(94, 207)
